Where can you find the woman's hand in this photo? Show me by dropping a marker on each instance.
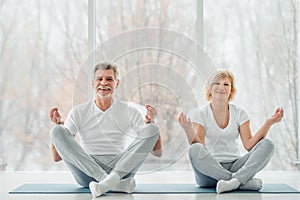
(185, 123)
(276, 117)
(189, 130)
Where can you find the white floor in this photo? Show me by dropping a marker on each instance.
(10, 180)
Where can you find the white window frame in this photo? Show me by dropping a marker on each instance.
(92, 35)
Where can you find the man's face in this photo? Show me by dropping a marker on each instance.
(105, 83)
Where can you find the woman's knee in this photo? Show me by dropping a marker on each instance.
(206, 183)
(196, 149)
(83, 183)
(267, 145)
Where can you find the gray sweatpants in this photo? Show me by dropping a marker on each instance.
(86, 168)
(208, 171)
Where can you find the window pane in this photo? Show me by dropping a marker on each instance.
(146, 73)
(43, 44)
(256, 40)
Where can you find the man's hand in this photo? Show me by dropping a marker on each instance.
(55, 116)
(150, 114)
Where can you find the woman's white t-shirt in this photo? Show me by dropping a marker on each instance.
(104, 133)
(221, 143)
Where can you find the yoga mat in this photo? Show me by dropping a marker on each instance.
(162, 188)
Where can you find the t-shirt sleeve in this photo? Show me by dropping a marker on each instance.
(242, 116)
(71, 122)
(137, 121)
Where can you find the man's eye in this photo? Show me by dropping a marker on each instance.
(226, 84)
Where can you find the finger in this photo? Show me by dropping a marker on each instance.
(147, 117)
(151, 110)
(149, 107)
(180, 117)
(184, 117)
(52, 110)
(56, 115)
(57, 120)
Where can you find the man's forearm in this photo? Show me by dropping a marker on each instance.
(55, 155)
(157, 149)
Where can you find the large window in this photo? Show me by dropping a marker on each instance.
(43, 44)
(258, 41)
(44, 51)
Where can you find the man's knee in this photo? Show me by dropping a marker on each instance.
(150, 130)
(57, 132)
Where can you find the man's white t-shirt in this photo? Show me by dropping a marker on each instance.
(104, 133)
(221, 143)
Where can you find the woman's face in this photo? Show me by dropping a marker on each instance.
(221, 89)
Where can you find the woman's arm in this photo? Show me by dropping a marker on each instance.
(193, 131)
(250, 141)
(200, 133)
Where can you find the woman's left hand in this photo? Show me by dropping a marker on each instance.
(276, 117)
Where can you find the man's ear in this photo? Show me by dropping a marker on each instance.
(118, 83)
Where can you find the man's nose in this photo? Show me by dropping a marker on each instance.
(103, 82)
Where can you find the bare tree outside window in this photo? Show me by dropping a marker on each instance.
(43, 45)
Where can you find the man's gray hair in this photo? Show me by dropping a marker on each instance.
(106, 66)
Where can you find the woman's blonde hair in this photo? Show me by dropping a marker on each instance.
(220, 74)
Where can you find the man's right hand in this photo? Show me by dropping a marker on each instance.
(55, 116)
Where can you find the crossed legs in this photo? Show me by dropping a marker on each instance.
(87, 171)
(230, 176)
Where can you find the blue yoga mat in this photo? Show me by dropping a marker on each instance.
(143, 189)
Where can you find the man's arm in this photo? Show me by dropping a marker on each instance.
(56, 118)
(55, 155)
(149, 118)
(157, 149)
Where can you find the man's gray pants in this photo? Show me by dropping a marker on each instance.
(86, 168)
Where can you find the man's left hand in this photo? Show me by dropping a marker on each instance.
(150, 114)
